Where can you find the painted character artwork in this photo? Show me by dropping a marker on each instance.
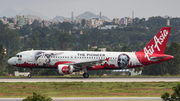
(123, 60)
(43, 58)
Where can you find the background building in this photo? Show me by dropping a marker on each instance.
(95, 22)
(21, 20)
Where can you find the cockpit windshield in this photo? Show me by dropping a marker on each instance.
(18, 55)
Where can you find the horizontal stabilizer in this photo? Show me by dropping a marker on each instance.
(157, 58)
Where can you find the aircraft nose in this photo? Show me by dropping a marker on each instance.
(10, 62)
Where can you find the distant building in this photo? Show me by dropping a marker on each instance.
(96, 22)
(21, 20)
(117, 20)
(66, 21)
(3, 21)
(108, 27)
(17, 73)
(81, 33)
(72, 17)
(46, 23)
(130, 72)
(125, 21)
(11, 26)
(102, 49)
(79, 21)
(87, 23)
(168, 22)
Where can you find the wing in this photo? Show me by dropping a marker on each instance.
(88, 63)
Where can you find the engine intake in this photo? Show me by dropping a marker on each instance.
(65, 69)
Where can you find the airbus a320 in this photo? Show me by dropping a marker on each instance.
(67, 62)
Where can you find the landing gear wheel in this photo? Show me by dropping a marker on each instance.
(86, 75)
(29, 76)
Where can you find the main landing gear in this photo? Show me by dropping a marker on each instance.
(29, 76)
(86, 75)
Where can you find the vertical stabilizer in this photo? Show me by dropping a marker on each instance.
(158, 43)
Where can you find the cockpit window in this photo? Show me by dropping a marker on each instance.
(18, 56)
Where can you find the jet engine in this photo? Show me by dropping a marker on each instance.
(65, 69)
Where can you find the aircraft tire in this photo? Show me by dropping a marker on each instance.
(29, 76)
(86, 75)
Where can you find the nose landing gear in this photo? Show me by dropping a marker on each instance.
(29, 76)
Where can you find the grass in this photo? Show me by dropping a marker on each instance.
(86, 89)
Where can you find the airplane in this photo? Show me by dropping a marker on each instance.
(67, 62)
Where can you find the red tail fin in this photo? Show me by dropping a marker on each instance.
(158, 43)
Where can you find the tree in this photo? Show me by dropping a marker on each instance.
(175, 96)
(83, 22)
(173, 65)
(37, 97)
(66, 26)
(9, 38)
(176, 90)
(63, 40)
(165, 96)
(125, 48)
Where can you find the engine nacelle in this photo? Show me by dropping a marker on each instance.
(65, 69)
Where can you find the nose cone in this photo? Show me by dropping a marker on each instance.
(10, 62)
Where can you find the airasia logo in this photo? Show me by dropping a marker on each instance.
(158, 41)
(65, 69)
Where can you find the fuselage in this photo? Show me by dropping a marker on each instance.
(51, 59)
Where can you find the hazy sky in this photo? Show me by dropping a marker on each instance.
(109, 8)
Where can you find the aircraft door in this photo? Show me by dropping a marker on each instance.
(30, 57)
